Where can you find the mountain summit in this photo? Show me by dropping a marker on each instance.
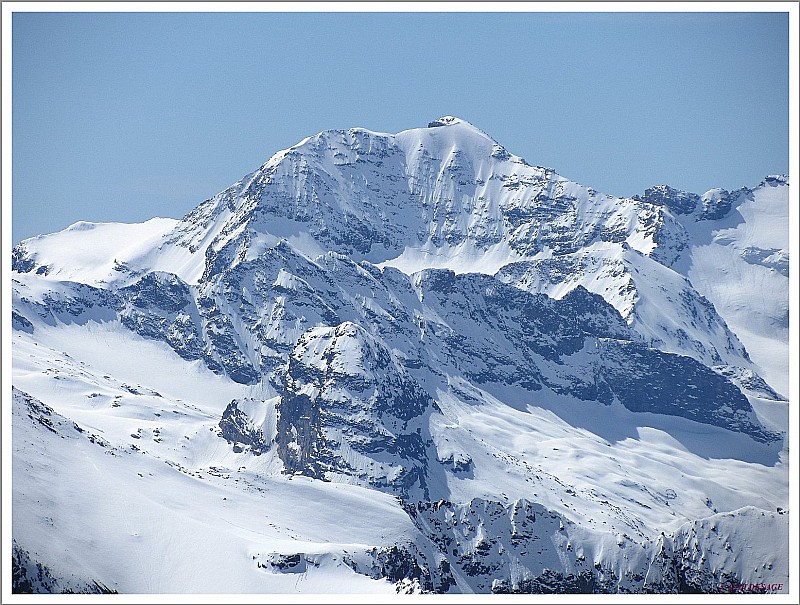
(450, 197)
(430, 364)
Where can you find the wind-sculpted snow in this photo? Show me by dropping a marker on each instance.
(432, 366)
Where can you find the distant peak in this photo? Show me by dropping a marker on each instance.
(776, 180)
(446, 121)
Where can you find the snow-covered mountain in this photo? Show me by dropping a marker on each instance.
(403, 362)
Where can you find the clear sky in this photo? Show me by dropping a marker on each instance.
(122, 117)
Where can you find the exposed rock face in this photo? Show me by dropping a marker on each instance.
(678, 386)
(349, 407)
(679, 202)
(522, 547)
(237, 428)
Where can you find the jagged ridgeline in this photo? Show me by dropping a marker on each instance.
(483, 376)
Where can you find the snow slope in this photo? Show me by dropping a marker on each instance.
(96, 253)
(742, 267)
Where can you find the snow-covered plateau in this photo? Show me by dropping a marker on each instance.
(412, 362)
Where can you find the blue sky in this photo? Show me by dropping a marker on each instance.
(121, 117)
